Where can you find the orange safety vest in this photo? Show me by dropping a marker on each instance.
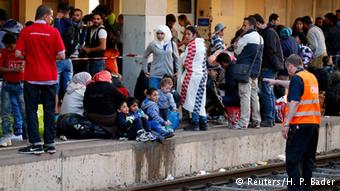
(308, 111)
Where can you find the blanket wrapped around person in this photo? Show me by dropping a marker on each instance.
(193, 77)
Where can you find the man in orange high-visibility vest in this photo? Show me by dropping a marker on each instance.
(301, 125)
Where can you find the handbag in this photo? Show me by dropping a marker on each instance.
(241, 72)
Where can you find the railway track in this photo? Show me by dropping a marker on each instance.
(328, 169)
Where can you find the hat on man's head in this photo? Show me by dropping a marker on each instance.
(219, 27)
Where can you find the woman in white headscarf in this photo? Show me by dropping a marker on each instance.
(73, 98)
(165, 57)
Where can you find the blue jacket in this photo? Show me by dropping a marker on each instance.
(289, 46)
(152, 110)
(166, 100)
(123, 123)
(62, 24)
(122, 120)
(250, 47)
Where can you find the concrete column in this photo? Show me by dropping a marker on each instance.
(141, 17)
(27, 9)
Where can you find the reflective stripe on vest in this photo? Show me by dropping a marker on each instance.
(308, 111)
(310, 101)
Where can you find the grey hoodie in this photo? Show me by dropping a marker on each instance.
(163, 59)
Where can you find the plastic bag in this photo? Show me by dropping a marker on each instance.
(280, 107)
(173, 117)
(234, 114)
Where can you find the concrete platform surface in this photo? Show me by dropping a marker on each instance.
(102, 164)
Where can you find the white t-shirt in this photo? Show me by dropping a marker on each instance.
(101, 33)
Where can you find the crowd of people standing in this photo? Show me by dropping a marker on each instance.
(70, 76)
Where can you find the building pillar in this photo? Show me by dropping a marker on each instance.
(27, 10)
(141, 17)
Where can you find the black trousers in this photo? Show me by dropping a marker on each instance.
(300, 155)
(34, 93)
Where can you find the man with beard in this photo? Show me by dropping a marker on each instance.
(95, 44)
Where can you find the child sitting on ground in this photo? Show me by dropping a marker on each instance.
(129, 126)
(134, 111)
(151, 108)
(166, 100)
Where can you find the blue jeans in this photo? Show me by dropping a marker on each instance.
(196, 119)
(154, 82)
(47, 94)
(12, 96)
(65, 73)
(96, 66)
(267, 96)
(155, 126)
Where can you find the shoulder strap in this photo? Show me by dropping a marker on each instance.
(257, 52)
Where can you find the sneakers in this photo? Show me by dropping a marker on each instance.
(159, 137)
(192, 127)
(16, 137)
(38, 149)
(222, 120)
(203, 126)
(238, 126)
(123, 139)
(142, 136)
(32, 149)
(168, 134)
(267, 123)
(50, 149)
(5, 141)
(255, 125)
(151, 136)
(213, 117)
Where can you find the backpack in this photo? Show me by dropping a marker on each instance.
(70, 38)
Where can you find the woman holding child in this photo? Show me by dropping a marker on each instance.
(165, 56)
(193, 80)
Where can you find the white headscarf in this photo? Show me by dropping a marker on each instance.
(167, 36)
(79, 81)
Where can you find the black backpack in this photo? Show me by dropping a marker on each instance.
(70, 38)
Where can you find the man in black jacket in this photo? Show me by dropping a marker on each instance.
(272, 62)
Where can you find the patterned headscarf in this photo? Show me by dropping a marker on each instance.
(79, 81)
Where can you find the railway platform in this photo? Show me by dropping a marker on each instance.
(114, 164)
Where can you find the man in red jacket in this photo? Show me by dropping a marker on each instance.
(40, 45)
